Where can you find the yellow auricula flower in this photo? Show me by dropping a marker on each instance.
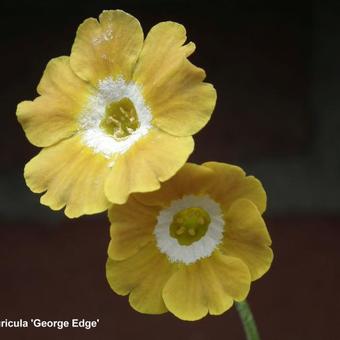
(192, 247)
(115, 117)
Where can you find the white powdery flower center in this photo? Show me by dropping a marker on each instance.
(109, 91)
(202, 248)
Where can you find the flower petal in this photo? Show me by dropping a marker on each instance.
(132, 225)
(209, 285)
(72, 175)
(52, 116)
(108, 48)
(231, 183)
(154, 158)
(173, 87)
(137, 276)
(191, 179)
(247, 238)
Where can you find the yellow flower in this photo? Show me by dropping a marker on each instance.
(115, 117)
(193, 246)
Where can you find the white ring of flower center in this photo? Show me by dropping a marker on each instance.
(202, 248)
(109, 91)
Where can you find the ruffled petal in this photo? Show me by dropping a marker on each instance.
(108, 48)
(132, 225)
(72, 175)
(209, 285)
(172, 87)
(143, 276)
(247, 238)
(230, 183)
(153, 159)
(191, 179)
(53, 116)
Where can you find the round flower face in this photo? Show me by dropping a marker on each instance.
(116, 116)
(193, 246)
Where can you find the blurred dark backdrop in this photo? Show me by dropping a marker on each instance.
(276, 68)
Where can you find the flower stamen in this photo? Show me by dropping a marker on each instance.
(189, 225)
(192, 232)
(120, 119)
(180, 231)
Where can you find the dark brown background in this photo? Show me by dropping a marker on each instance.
(276, 67)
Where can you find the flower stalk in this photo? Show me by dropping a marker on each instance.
(248, 322)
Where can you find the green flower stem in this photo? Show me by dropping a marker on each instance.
(248, 321)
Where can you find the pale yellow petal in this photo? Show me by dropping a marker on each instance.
(53, 116)
(208, 286)
(72, 176)
(143, 276)
(132, 226)
(231, 183)
(108, 48)
(173, 87)
(191, 179)
(247, 237)
(153, 159)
